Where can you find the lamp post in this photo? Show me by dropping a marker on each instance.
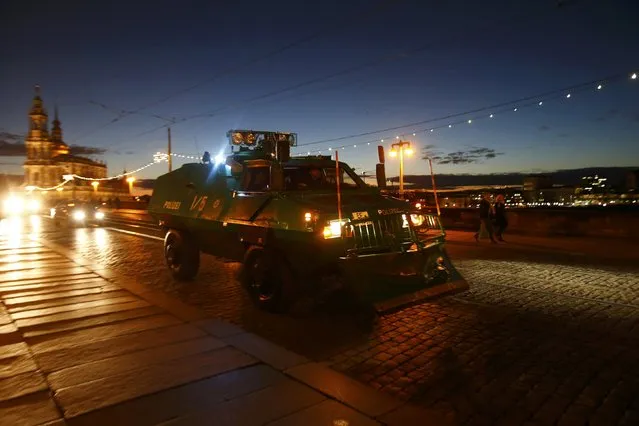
(130, 180)
(400, 149)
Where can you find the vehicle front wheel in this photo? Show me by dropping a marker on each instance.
(181, 255)
(268, 279)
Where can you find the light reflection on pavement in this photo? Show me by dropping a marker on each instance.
(15, 229)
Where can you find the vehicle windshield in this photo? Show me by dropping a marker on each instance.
(311, 177)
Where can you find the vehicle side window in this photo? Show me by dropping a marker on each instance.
(346, 181)
(256, 179)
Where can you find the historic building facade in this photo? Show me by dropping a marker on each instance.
(49, 159)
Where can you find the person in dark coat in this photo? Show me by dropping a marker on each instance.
(485, 218)
(501, 222)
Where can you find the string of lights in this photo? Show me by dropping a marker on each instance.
(470, 117)
(51, 188)
(120, 176)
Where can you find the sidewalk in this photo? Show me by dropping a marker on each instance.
(604, 248)
(76, 348)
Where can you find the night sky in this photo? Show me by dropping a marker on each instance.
(395, 62)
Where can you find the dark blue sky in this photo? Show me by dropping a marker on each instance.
(126, 55)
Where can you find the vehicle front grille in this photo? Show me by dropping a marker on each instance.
(382, 234)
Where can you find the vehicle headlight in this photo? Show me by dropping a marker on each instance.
(34, 205)
(334, 229)
(417, 219)
(13, 205)
(79, 215)
(99, 215)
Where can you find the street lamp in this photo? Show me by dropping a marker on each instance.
(400, 149)
(130, 180)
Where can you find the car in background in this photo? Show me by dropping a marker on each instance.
(77, 213)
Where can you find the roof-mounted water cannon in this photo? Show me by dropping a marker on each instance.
(274, 144)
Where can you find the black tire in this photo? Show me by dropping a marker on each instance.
(182, 255)
(268, 279)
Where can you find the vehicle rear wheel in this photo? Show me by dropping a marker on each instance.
(181, 255)
(268, 279)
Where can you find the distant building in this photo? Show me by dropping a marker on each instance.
(536, 182)
(631, 180)
(49, 159)
(593, 185)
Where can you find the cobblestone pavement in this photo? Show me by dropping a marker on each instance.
(532, 342)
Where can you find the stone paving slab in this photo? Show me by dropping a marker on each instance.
(60, 358)
(37, 301)
(325, 413)
(344, 389)
(255, 409)
(131, 362)
(79, 337)
(21, 384)
(59, 273)
(90, 396)
(31, 323)
(182, 400)
(87, 286)
(49, 282)
(24, 266)
(91, 321)
(34, 409)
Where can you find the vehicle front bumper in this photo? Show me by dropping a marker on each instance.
(391, 280)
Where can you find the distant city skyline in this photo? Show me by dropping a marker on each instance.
(389, 63)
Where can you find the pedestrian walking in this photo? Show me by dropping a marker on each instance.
(501, 221)
(485, 219)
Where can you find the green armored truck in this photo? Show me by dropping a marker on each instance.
(300, 226)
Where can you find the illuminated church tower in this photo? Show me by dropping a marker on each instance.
(38, 144)
(48, 156)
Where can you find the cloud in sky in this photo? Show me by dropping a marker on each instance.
(470, 156)
(12, 145)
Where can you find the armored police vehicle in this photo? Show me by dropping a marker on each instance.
(300, 226)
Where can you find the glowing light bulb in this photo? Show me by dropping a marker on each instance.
(450, 125)
(599, 87)
(568, 95)
(634, 76)
(470, 121)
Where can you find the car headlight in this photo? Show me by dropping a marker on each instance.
(99, 215)
(334, 229)
(34, 205)
(417, 219)
(13, 205)
(79, 215)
